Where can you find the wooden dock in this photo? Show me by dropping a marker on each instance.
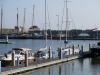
(37, 64)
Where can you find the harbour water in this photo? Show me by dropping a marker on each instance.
(86, 66)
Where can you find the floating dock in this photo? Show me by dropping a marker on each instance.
(38, 64)
(2, 42)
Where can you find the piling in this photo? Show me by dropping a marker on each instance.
(60, 53)
(50, 52)
(13, 58)
(73, 49)
(89, 46)
(0, 66)
(82, 48)
(18, 61)
(69, 51)
(26, 59)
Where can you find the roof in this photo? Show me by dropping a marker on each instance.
(23, 49)
(83, 34)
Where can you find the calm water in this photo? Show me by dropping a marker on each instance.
(87, 66)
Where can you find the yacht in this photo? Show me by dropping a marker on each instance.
(6, 59)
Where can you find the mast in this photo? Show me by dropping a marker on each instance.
(45, 25)
(1, 17)
(33, 16)
(17, 21)
(66, 21)
(24, 19)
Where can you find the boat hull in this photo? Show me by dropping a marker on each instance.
(95, 52)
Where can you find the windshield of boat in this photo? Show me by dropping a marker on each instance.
(16, 52)
(9, 52)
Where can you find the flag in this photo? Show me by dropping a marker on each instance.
(94, 29)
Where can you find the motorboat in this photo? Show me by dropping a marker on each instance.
(6, 59)
(95, 50)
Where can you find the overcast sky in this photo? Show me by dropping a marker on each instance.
(83, 14)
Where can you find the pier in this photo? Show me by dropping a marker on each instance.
(39, 64)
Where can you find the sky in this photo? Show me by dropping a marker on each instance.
(82, 14)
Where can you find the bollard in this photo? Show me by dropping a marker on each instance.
(69, 51)
(82, 48)
(89, 46)
(26, 59)
(50, 52)
(0, 66)
(13, 58)
(60, 53)
(18, 61)
(73, 49)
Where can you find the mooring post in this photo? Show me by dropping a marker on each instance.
(82, 48)
(69, 51)
(50, 52)
(18, 61)
(89, 46)
(13, 58)
(0, 66)
(73, 49)
(60, 53)
(26, 59)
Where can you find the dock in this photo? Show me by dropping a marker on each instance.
(3, 42)
(38, 64)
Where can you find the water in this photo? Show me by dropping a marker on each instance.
(87, 66)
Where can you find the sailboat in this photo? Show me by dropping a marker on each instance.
(68, 50)
(42, 52)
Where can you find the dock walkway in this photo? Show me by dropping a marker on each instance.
(35, 65)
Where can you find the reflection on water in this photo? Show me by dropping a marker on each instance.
(95, 61)
(75, 67)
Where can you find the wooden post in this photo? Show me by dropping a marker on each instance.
(89, 46)
(50, 52)
(78, 45)
(13, 58)
(26, 59)
(73, 49)
(18, 61)
(82, 48)
(60, 53)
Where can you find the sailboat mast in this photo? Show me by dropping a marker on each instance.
(1, 17)
(66, 20)
(24, 19)
(45, 25)
(17, 21)
(33, 16)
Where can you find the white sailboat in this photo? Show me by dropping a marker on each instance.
(68, 50)
(42, 52)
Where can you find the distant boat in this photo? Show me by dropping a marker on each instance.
(6, 59)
